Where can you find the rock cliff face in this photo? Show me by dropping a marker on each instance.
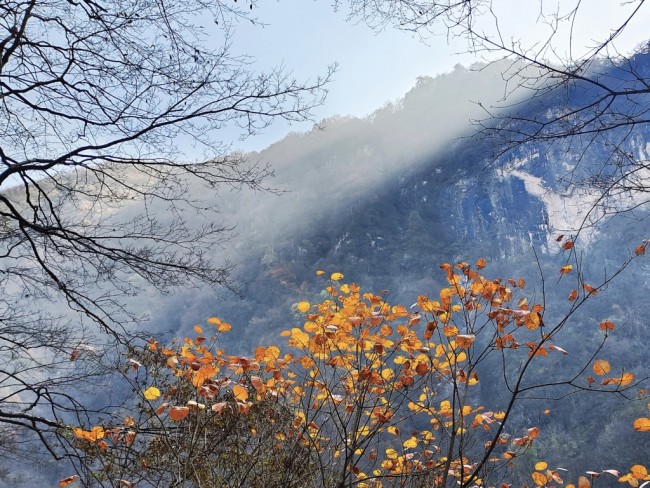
(385, 200)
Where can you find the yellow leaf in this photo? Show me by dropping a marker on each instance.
(601, 367)
(336, 276)
(214, 320)
(152, 393)
(411, 443)
(240, 393)
(303, 307)
(450, 330)
(393, 430)
(541, 466)
(224, 327)
(391, 453)
(198, 329)
(583, 482)
(642, 424)
(566, 269)
(271, 353)
(539, 479)
(320, 272)
(363, 431)
(299, 339)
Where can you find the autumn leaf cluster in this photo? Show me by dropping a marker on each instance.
(365, 394)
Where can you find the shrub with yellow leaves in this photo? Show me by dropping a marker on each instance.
(366, 394)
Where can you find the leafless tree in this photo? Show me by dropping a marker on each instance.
(604, 94)
(97, 102)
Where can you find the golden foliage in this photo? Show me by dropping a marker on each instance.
(357, 377)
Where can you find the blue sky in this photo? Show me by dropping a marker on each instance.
(305, 36)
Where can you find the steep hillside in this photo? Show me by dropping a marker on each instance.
(387, 199)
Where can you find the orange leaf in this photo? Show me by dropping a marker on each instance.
(224, 327)
(480, 264)
(532, 321)
(93, 435)
(625, 379)
(69, 480)
(567, 245)
(642, 424)
(240, 393)
(178, 413)
(639, 472)
(214, 320)
(465, 340)
(573, 295)
(590, 289)
(601, 367)
(539, 479)
(219, 407)
(641, 249)
(258, 384)
(422, 368)
(556, 477)
(606, 326)
(533, 432)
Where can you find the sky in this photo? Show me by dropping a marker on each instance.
(305, 36)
